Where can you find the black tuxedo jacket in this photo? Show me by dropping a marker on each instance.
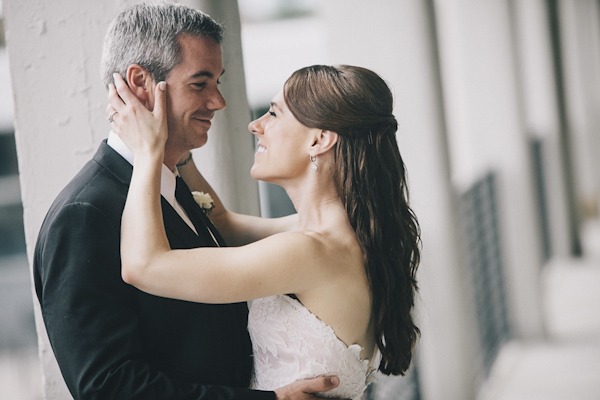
(111, 340)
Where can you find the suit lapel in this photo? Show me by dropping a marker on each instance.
(178, 232)
(174, 225)
(114, 163)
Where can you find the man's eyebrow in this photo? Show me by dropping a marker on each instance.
(207, 74)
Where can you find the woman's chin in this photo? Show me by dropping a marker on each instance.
(255, 174)
(258, 176)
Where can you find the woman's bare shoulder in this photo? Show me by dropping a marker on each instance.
(335, 249)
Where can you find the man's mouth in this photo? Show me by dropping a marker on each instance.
(205, 121)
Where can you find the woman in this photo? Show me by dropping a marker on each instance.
(328, 295)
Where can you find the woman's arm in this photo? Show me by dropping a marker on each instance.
(237, 229)
(145, 133)
(276, 265)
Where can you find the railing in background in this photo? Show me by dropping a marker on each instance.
(537, 150)
(484, 270)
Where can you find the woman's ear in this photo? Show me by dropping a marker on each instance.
(141, 84)
(323, 142)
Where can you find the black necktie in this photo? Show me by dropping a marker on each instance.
(195, 214)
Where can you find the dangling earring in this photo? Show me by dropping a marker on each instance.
(313, 160)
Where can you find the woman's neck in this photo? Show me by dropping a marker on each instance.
(317, 203)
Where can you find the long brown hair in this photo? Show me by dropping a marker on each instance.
(370, 178)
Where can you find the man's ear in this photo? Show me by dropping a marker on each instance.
(141, 84)
(323, 142)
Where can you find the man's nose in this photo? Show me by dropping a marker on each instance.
(217, 101)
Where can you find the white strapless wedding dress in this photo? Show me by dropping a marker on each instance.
(290, 343)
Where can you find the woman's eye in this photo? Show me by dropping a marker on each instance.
(271, 113)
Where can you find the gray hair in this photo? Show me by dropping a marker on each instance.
(146, 34)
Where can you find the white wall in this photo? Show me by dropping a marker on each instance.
(486, 134)
(395, 40)
(6, 101)
(273, 50)
(580, 28)
(55, 49)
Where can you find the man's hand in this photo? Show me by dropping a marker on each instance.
(304, 389)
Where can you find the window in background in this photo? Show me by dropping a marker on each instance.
(265, 10)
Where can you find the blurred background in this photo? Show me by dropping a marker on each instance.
(19, 365)
(498, 104)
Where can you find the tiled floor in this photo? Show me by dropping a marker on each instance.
(567, 365)
(20, 375)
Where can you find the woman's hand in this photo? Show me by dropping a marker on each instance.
(143, 131)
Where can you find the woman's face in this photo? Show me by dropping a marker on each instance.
(282, 151)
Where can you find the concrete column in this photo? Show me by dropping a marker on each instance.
(580, 39)
(540, 112)
(396, 40)
(486, 134)
(55, 50)
(54, 54)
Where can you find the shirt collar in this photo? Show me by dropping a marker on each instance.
(167, 177)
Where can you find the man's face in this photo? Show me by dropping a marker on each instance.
(192, 93)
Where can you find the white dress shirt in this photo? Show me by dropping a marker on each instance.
(167, 178)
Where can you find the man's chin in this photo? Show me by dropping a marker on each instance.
(200, 141)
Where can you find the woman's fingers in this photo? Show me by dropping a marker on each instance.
(123, 91)
(114, 101)
(140, 128)
(160, 104)
(111, 114)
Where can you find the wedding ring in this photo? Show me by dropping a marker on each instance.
(110, 117)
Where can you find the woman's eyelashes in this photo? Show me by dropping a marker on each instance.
(272, 113)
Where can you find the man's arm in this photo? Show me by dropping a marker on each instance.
(237, 229)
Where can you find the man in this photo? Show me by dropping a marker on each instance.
(112, 341)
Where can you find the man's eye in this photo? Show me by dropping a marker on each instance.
(199, 84)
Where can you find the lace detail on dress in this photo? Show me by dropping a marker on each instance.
(291, 343)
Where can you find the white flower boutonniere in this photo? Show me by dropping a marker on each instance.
(204, 201)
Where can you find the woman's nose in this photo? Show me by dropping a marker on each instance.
(255, 127)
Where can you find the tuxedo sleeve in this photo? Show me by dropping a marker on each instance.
(87, 310)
